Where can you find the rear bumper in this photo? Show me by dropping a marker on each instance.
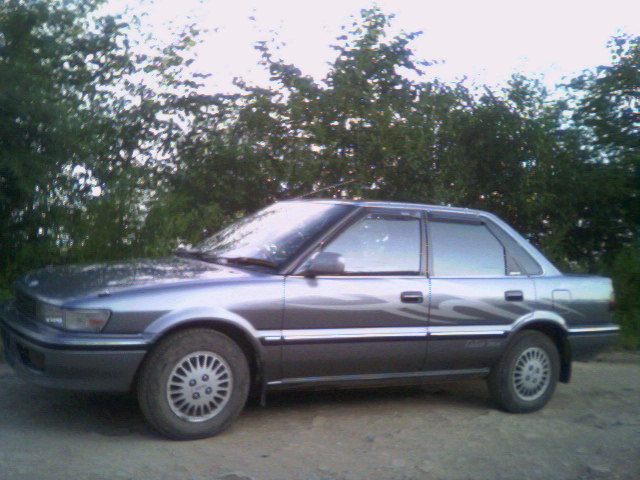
(65, 360)
(586, 342)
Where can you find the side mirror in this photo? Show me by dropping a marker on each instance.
(325, 263)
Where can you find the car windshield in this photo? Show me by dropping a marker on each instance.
(273, 235)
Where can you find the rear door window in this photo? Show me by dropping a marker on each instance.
(465, 250)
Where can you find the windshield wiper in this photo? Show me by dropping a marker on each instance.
(209, 257)
(199, 254)
(249, 261)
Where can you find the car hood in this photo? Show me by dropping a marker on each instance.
(77, 281)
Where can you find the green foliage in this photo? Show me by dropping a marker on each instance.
(609, 106)
(511, 152)
(607, 111)
(626, 274)
(83, 118)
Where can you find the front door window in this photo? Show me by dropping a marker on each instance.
(380, 244)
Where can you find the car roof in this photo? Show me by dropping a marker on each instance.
(389, 204)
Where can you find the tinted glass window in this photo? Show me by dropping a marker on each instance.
(380, 244)
(465, 250)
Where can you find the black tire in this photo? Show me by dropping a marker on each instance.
(526, 376)
(193, 384)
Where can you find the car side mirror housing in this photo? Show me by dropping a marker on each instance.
(325, 263)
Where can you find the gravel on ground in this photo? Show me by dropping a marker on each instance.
(590, 430)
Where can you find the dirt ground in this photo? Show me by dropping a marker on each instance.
(590, 430)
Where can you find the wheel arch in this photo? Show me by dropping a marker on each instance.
(558, 334)
(243, 338)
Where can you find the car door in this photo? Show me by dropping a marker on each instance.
(370, 320)
(480, 286)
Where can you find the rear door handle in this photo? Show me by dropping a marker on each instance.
(513, 296)
(411, 297)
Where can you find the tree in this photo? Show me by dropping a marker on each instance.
(608, 111)
(296, 135)
(80, 129)
(385, 135)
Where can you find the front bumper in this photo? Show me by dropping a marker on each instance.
(73, 361)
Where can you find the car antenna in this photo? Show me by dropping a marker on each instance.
(325, 188)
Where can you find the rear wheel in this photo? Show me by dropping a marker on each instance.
(193, 384)
(526, 376)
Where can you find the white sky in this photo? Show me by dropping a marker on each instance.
(486, 40)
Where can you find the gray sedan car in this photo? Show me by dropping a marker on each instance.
(311, 293)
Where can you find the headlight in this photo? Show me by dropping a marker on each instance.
(50, 315)
(77, 320)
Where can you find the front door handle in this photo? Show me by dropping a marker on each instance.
(513, 296)
(411, 297)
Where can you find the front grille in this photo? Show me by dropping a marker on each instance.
(25, 304)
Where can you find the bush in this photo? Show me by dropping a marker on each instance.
(626, 281)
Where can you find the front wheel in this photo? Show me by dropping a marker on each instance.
(526, 376)
(193, 384)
